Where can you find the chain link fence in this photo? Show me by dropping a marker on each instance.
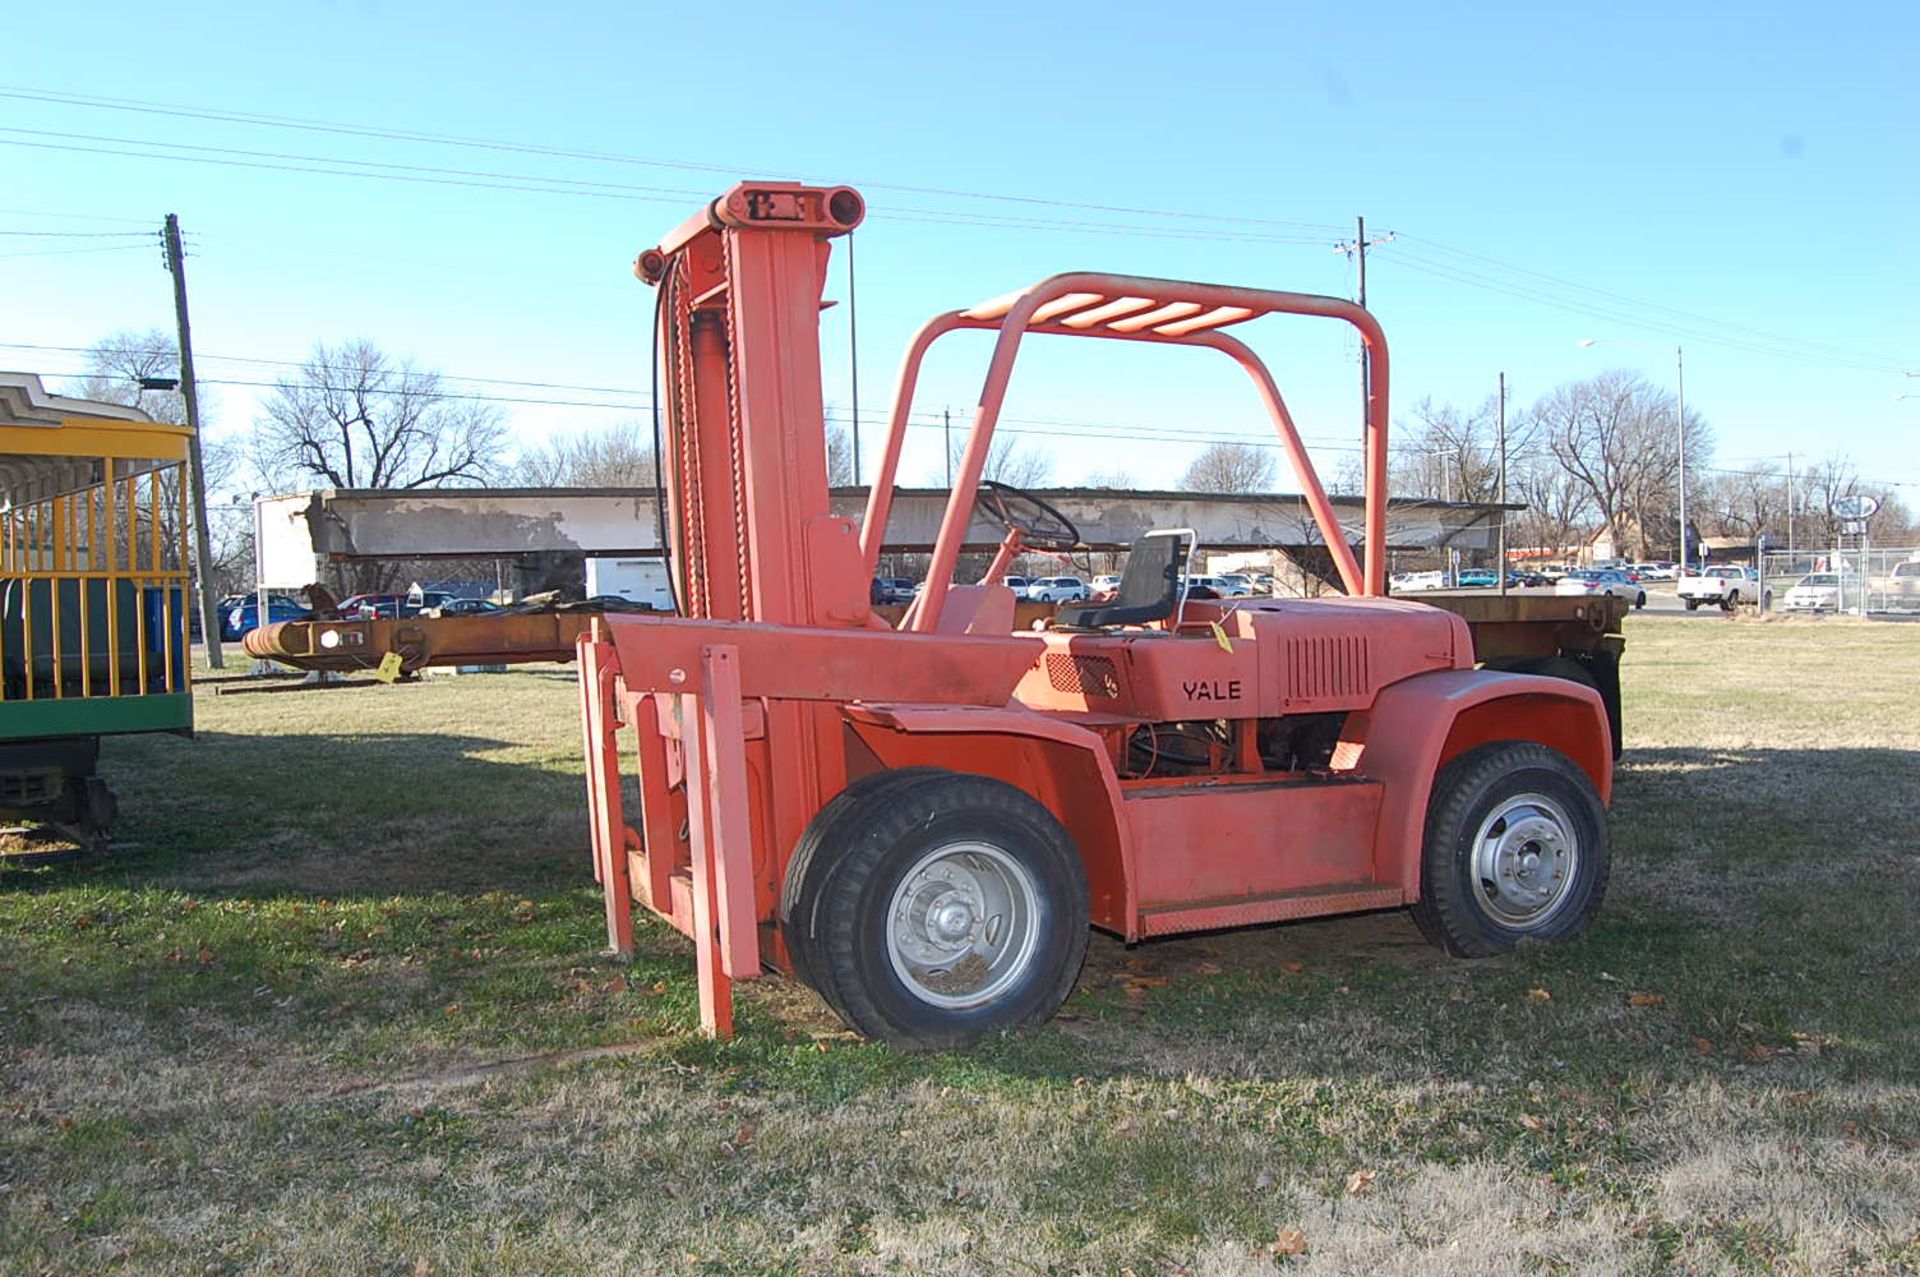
(1855, 577)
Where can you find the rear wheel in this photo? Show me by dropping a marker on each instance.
(1730, 600)
(1516, 848)
(938, 909)
(1693, 605)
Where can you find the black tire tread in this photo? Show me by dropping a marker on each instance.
(832, 825)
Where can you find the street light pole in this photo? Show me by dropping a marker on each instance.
(1680, 379)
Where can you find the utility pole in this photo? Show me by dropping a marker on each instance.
(196, 472)
(946, 426)
(1501, 428)
(1357, 250)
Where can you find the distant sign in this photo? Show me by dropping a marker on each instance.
(1857, 507)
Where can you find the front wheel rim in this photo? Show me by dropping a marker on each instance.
(1525, 857)
(962, 927)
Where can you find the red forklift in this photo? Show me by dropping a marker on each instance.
(922, 821)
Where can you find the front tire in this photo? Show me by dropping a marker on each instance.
(1516, 848)
(938, 909)
(1640, 600)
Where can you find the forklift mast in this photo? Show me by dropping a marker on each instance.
(750, 534)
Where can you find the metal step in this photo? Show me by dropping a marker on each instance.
(1212, 915)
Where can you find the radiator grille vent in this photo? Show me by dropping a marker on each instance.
(1091, 676)
(1327, 668)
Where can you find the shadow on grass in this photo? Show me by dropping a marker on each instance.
(339, 816)
(1758, 894)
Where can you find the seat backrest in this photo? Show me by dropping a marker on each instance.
(1152, 588)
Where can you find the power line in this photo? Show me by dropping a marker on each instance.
(442, 139)
(81, 234)
(69, 252)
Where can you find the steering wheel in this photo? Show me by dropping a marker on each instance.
(1041, 527)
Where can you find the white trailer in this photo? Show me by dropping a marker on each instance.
(636, 579)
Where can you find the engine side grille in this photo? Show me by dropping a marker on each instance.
(1327, 667)
(1091, 676)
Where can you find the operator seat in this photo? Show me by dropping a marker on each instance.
(1151, 589)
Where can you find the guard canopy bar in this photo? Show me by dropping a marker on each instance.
(1135, 308)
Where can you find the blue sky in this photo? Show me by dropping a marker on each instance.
(1740, 178)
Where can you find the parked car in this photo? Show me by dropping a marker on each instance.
(892, 589)
(1478, 579)
(370, 606)
(1238, 583)
(465, 607)
(1106, 583)
(1657, 571)
(1816, 592)
(1726, 587)
(1414, 582)
(244, 616)
(1059, 589)
(1899, 590)
(1590, 581)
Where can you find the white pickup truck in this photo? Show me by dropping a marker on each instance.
(1726, 587)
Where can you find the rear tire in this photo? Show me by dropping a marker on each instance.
(934, 909)
(1693, 605)
(1516, 848)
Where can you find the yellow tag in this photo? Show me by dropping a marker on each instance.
(1220, 636)
(389, 667)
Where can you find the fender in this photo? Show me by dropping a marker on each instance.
(1417, 726)
(1065, 767)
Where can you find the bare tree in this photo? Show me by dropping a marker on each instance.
(1445, 453)
(1615, 434)
(1230, 467)
(1740, 504)
(1010, 461)
(1559, 514)
(617, 456)
(117, 364)
(839, 456)
(1108, 479)
(356, 419)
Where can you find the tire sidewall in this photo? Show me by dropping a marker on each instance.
(1451, 873)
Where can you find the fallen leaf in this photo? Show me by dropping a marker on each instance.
(1263, 1181)
(1532, 1123)
(1703, 1045)
(1209, 968)
(421, 1268)
(1539, 995)
(1757, 1053)
(1288, 1241)
(206, 956)
(1293, 968)
(1360, 1182)
(1646, 999)
(1799, 1097)
(616, 985)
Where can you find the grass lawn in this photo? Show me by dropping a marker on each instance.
(339, 1006)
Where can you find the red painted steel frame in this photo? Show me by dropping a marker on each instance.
(778, 685)
(1134, 308)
